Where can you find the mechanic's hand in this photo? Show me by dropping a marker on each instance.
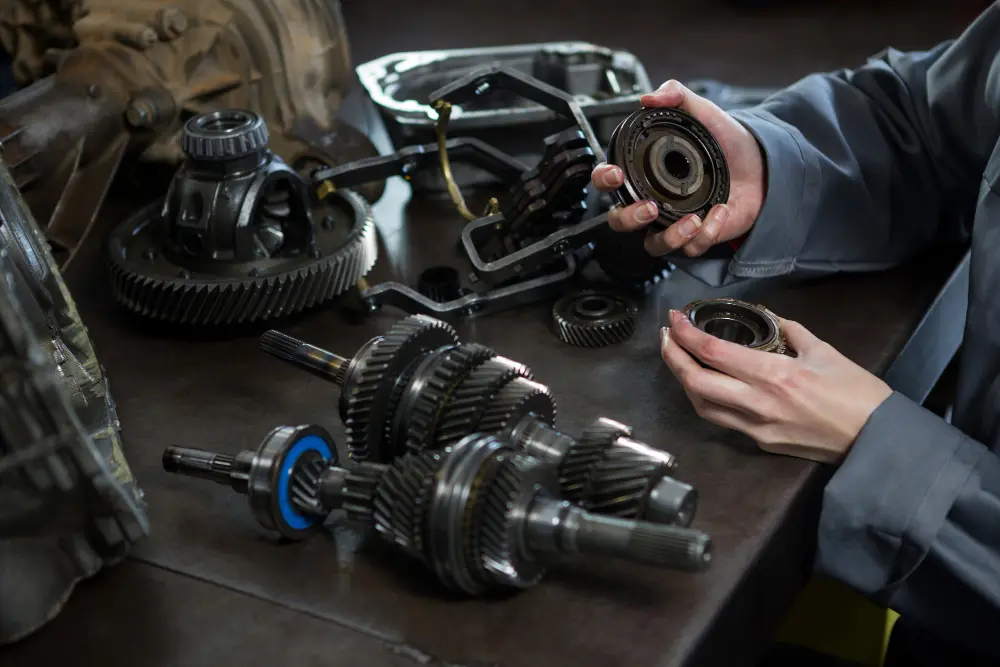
(725, 221)
(812, 406)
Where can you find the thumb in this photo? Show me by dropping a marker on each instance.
(798, 337)
(674, 94)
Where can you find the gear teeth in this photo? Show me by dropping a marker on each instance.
(472, 397)
(495, 543)
(620, 482)
(367, 400)
(427, 410)
(575, 469)
(515, 401)
(304, 486)
(231, 302)
(360, 490)
(401, 500)
(575, 328)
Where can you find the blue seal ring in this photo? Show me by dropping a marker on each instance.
(291, 516)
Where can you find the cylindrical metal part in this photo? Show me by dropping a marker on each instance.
(638, 541)
(317, 361)
(332, 484)
(203, 464)
(542, 441)
(671, 501)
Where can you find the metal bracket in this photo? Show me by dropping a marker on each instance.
(475, 303)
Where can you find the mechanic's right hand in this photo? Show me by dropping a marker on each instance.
(725, 221)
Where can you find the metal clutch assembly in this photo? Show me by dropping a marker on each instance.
(480, 513)
(746, 324)
(69, 504)
(670, 158)
(417, 389)
(239, 237)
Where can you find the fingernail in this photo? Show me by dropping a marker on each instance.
(612, 177)
(691, 226)
(647, 212)
(674, 316)
(664, 336)
(715, 221)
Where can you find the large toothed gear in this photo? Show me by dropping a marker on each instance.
(360, 491)
(594, 318)
(623, 258)
(401, 500)
(369, 386)
(472, 397)
(578, 465)
(518, 399)
(432, 392)
(238, 237)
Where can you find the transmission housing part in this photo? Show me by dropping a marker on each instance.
(670, 158)
(239, 237)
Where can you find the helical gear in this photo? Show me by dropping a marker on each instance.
(516, 400)
(402, 497)
(436, 392)
(578, 465)
(473, 395)
(496, 550)
(594, 318)
(620, 482)
(366, 396)
(360, 490)
(304, 486)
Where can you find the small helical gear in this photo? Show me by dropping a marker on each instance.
(224, 135)
(594, 318)
(367, 398)
(191, 299)
(519, 398)
(578, 465)
(360, 489)
(472, 396)
(620, 481)
(425, 413)
(402, 498)
(304, 485)
(497, 555)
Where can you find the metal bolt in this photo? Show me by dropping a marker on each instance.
(139, 113)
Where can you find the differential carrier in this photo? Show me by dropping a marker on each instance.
(418, 389)
(238, 238)
(670, 158)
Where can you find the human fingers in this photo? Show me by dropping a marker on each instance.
(709, 233)
(702, 383)
(674, 94)
(800, 339)
(673, 237)
(752, 366)
(632, 217)
(607, 177)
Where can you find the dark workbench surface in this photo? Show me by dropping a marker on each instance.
(208, 589)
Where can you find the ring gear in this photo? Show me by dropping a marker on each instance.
(367, 392)
(594, 318)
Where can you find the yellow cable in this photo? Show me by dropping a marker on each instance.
(443, 109)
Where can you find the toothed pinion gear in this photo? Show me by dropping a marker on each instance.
(474, 394)
(594, 318)
(518, 399)
(369, 386)
(238, 238)
(578, 464)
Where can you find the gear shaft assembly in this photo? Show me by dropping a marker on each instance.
(417, 389)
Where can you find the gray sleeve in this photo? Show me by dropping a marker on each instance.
(912, 519)
(864, 165)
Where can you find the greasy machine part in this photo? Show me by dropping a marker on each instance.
(594, 318)
(482, 515)
(746, 324)
(69, 504)
(670, 158)
(418, 388)
(440, 284)
(280, 478)
(114, 76)
(238, 238)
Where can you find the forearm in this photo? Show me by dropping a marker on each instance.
(912, 519)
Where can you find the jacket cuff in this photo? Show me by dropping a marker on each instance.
(792, 190)
(886, 504)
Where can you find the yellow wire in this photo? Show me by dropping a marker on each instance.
(443, 109)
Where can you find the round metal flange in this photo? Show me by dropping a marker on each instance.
(740, 322)
(670, 158)
(269, 484)
(594, 318)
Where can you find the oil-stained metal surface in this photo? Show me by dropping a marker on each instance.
(113, 76)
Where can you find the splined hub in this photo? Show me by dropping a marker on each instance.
(594, 318)
(746, 324)
(238, 238)
(670, 158)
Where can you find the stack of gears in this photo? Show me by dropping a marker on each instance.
(481, 513)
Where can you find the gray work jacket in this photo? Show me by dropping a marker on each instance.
(863, 167)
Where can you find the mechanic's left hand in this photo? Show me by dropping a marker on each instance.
(811, 406)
